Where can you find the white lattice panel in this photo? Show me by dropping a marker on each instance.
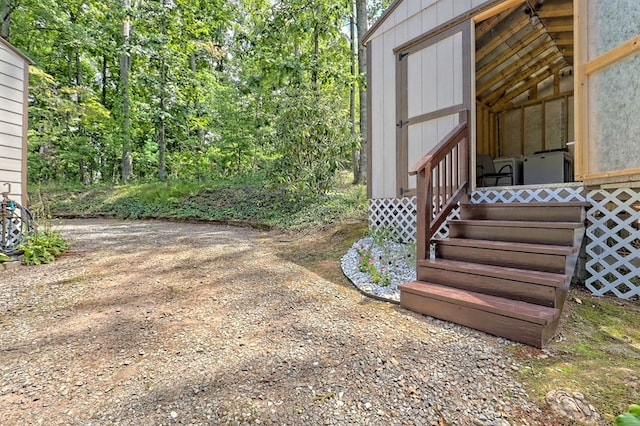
(396, 215)
(613, 242)
(613, 236)
(399, 216)
(529, 195)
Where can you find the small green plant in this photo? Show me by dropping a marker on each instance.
(43, 247)
(4, 258)
(367, 264)
(381, 235)
(630, 418)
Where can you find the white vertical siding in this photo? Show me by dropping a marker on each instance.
(409, 20)
(389, 114)
(377, 102)
(12, 95)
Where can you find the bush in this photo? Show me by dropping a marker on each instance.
(631, 418)
(43, 247)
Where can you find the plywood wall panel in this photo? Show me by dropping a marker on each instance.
(555, 124)
(532, 129)
(611, 23)
(614, 102)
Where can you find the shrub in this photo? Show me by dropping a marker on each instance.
(631, 418)
(43, 247)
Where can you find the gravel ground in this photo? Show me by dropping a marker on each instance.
(162, 323)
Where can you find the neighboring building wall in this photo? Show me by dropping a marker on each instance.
(13, 121)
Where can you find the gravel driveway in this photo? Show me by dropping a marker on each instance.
(147, 323)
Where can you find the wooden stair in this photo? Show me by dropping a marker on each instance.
(505, 269)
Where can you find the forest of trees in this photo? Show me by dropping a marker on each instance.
(193, 89)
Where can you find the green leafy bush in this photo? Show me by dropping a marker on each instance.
(631, 418)
(43, 247)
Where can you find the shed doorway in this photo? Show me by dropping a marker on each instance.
(524, 86)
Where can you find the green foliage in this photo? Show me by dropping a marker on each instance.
(4, 258)
(367, 264)
(215, 89)
(630, 418)
(43, 247)
(310, 139)
(381, 235)
(237, 199)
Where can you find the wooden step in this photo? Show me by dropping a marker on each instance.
(555, 233)
(544, 212)
(515, 320)
(542, 288)
(535, 257)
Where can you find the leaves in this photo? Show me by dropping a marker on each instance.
(631, 418)
(43, 247)
(219, 88)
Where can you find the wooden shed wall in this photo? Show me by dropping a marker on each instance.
(408, 20)
(13, 121)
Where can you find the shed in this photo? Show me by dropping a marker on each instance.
(14, 92)
(508, 101)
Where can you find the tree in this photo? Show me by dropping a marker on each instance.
(6, 8)
(361, 16)
(125, 69)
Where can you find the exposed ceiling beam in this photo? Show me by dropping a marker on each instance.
(504, 89)
(486, 26)
(510, 69)
(508, 52)
(529, 84)
(502, 37)
(555, 12)
(559, 28)
(563, 40)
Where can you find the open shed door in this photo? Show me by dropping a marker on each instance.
(433, 86)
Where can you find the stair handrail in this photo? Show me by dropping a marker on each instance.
(442, 180)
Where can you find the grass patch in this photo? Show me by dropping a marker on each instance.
(596, 354)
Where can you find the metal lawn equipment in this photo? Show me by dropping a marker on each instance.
(16, 223)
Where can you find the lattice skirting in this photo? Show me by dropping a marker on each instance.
(613, 242)
(399, 217)
(612, 239)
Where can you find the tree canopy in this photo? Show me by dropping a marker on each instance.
(189, 89)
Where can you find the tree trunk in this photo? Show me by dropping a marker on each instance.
(162, 142)
(361, 16)
(104, 80)
(316, 54)
(196, 98)
(355, 154)
(6, 7)
(125, 68)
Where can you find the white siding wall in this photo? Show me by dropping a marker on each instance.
(12, 71)
(409, 20)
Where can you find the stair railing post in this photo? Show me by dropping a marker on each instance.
(424, 213)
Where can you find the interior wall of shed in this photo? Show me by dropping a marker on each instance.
(538, 121)
(513, 53)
